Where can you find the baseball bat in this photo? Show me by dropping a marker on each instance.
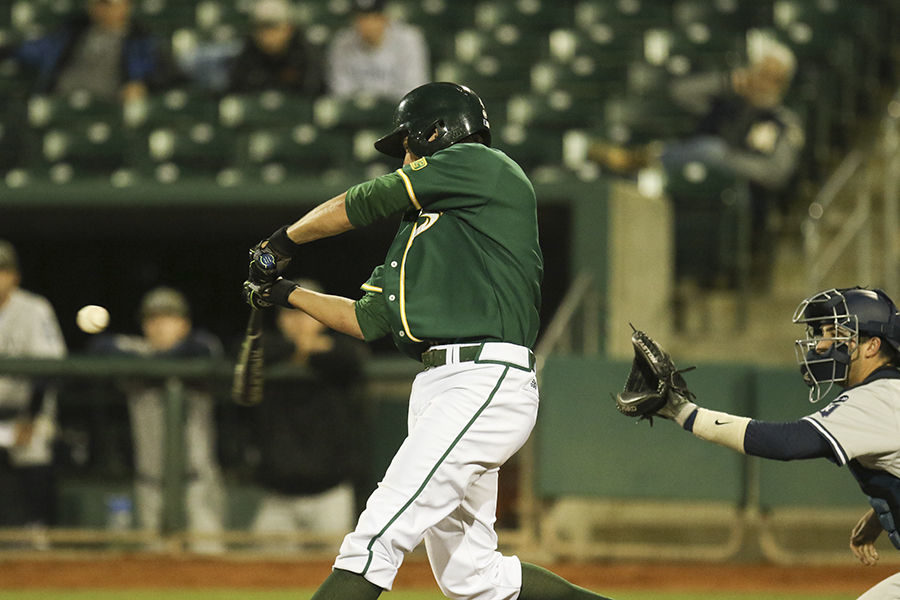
(247, 386)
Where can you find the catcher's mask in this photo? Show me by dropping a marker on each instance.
(454, 111)
(851, 312)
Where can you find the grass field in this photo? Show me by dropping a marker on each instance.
(288, 594)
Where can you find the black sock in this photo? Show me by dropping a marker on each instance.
(344, 585)
(541, 584)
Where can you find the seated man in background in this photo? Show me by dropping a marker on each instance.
(377, 56)
(102, 51)
(275, 54)
(168, 333)
(28, 328)
(310, 433)
(743, 130)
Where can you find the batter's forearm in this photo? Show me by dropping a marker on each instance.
(325, 220)
(335, 312)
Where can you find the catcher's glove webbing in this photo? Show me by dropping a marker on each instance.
(652, 380)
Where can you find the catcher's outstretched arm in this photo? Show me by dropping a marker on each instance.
(717, 427)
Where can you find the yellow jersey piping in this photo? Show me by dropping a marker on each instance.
(409, 189)
(370, 288)
(409, 242)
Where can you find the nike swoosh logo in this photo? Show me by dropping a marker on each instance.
(718, 422)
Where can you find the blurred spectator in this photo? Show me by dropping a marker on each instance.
(102, 51)
(310, 431)
(743, 130)
(168, 333)
(376, 56)
(28, 328)
(275, 54)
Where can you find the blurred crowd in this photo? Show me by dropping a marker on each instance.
(104, 50)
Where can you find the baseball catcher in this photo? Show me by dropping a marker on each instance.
(852, 342)
(654, 385)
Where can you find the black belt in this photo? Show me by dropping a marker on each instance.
(438, 356)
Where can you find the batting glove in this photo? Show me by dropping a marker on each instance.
(278, 245)
(263, 266)
(261, 296)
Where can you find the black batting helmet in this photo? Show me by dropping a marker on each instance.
(453, 110)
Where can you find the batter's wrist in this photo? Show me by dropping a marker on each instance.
(282, 245)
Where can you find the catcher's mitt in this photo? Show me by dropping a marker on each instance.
(652, 379)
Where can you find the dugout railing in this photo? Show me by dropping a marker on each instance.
(593, 484)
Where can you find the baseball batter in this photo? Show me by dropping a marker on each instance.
(853, 340)
(459, 290)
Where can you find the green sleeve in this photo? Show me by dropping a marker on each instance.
(372, 315)
(371, 310)
(377, 198)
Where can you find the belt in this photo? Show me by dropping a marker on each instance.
(488, 352)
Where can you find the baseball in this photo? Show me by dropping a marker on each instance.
(92, 318)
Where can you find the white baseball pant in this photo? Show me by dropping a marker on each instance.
(465, 420)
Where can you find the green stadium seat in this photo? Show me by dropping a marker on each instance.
(164, 16)
(529, 16)
(303, 148)
(697, 49)
(510, 51)
(174, 152)
(31, 18)
(585, 77)
(625, 16)
(711, 221)
(49, 111)
(557, 109)
(731, 16)
(531, 147)
(434, 15)
(269, 108)
(480, 75)
(174, 107)
(362, 111)
(95, 147)
(586, 62)
(630, 119)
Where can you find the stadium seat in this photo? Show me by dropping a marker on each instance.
(88, 147)
(269, 108)
(30, 18)
(504, 54)
(303, 148)
(49, 111)
(480, 75)
(434, 15)
(176, 107)
(557, 109)
(171, 153)
(586, 62)
(711, 221)
(531, 147)
(529, 16)
(165, 16)
(630, 119)
(625, 16)
(353, 113)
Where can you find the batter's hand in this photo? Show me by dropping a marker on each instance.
(863, 536)
(280, 246)
(266, 295)
(263, 266)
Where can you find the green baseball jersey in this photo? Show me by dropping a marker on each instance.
(465, 264)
